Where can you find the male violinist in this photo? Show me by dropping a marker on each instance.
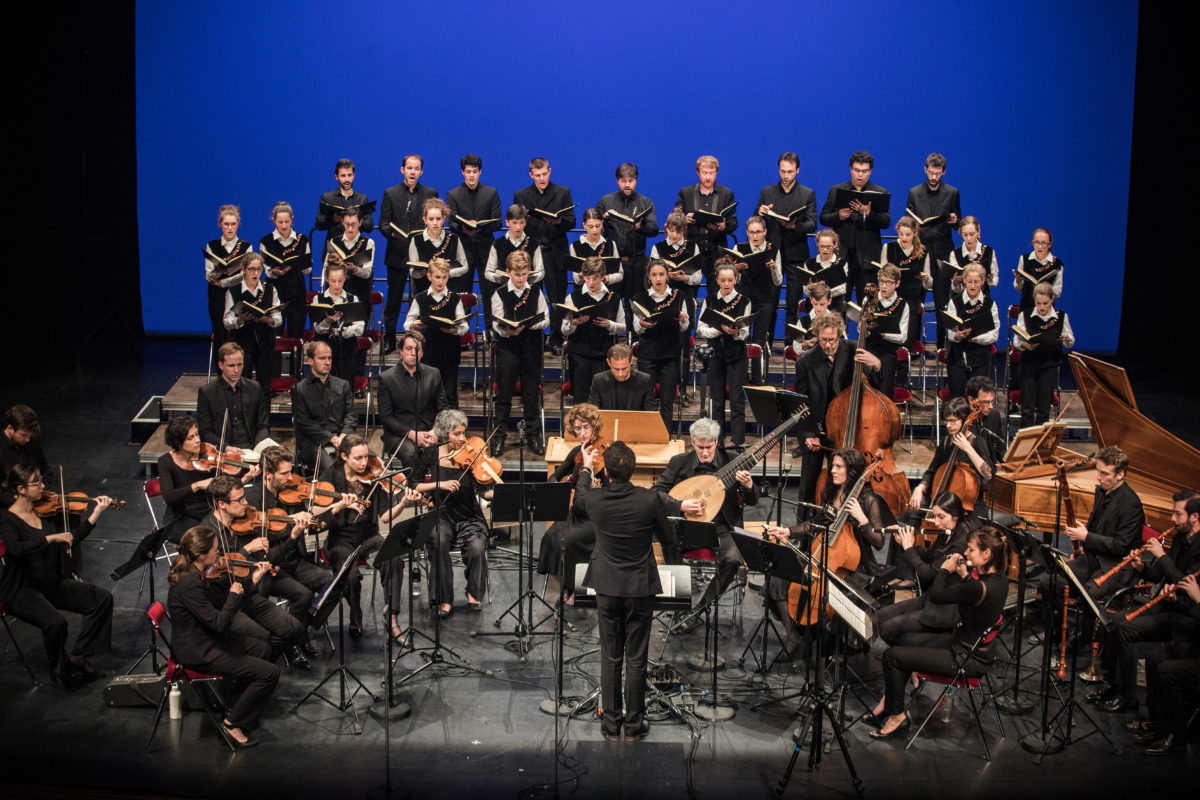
(259, 617)
(822, 373)
(21, 445)
(242, 399)
(410, 397)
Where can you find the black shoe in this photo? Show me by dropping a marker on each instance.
(640, 733)
(1118, 704)
(1103, 694)
(556, 349)
(361, 394)
(1147, 738)
(1140, 725)
(389, 346)
(294, 658)
(900, 730)
(64, 682)
(1167, 744)
(444, 613)
(534, 440)
(226, 729)
(872, 719)
(309, 651)
(687, 399)
(498, 445)
(83, 673)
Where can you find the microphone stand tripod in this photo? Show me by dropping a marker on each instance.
(143, 555)
(820, 706)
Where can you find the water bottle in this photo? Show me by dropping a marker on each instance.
(176, 701)
(947, 705)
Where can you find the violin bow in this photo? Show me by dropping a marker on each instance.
(221, 447)
(376, 481)
(66, 516)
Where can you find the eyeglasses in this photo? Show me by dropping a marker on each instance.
(36, 483)
(240, 500)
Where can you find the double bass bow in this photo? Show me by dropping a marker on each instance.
(710, 489)
(863, 419)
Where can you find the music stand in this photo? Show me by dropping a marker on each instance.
(694, 535)
(771, 407)
(143, 555)
(772, 560)
(522, 503)
(323, 604)
(1024, 544)
(1046, 741)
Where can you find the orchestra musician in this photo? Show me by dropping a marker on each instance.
(1171, 672)
(298, 577)
(866, 519)
(411, 395)
(706, 458)
(204, 633)
(322, 409)
(621, 387)
(246, 403)
(989, 426)
(1119, 644)
(35, 585)
(954, 415)
(182, 481)
(978, 585)
(461, 524)
(952, 524)
(357, 524)
(576, 536)
(21, 444)
(624, 576)
(259, 617)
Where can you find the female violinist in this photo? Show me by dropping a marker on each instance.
(34, 584)
(919, 615)
(182, 481)
(358, 524)
(954, 414)
(202, 635)
(576, 536)
(979, 590)
(461, 524)
(865, 521)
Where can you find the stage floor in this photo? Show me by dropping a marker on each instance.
(471, 735)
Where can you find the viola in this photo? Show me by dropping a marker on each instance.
(231, 462)
(374, 471)
(235, 567)
(322, 494)
(77, 502)
(473, 455)
(600, 445)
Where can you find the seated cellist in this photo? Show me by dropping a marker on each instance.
(865, 519)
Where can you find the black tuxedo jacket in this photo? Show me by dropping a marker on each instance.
(212, 401)
(639, 395)
(627, 519)
(312, 416)
(409, 402)
(401, 208)
(1114, 527)
(813, 372)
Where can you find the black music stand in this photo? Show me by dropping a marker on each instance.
(772, 560)
(323, 604)
(143, 555)
(1054, 736)
(1024, 544)
(522, 503)
(694, 535)
(771, 407)
(820, 706)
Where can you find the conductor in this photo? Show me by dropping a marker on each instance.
(623, 573)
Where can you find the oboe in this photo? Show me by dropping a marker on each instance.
(1163, 596)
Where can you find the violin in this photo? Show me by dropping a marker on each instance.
(322, 493)
(256, 522)
(234, 567)
(231, 462)
(600, 445)
(473, 455)
(77, 502)
(374, 472)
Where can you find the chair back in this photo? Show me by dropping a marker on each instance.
(152, 488)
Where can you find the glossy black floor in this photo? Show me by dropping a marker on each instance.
(471, 735)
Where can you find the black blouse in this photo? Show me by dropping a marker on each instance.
(176, 487)
(31, 560)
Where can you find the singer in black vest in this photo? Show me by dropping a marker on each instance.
(589, 334)
(623, 573)
(684, 271)
(518, 351)
(913, 264)
(288, 257)
(256, 334)
(727, 367)
(891, 325)
(1041, 265)
(443, 349)
(226, 248)
(974, 251)
(659, 348)
(423, 248)
(970, 358)
(761, 280)
(1040, 363)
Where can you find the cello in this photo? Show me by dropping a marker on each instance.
(957, 476)
(842, 557)
(863, 419)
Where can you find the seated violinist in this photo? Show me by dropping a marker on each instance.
(951, 524)
(232, 404)
(204, 635)
(573, 539)
(35, 586)
(859, 517)
(298, 577)
(461, 524)
(184, 477)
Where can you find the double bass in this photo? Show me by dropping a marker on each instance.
(861, 418)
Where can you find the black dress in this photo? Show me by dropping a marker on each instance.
(185, 508)
(576, 535)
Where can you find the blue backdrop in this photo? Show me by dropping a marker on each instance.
(250, 103)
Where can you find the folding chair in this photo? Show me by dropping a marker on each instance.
(8, 628)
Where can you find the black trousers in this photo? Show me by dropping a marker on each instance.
(811, 464)
(248, 661)
(665, 373)
(556, 290)
(522, 361)
(763, 324)
(446, 361)
(1119, 653)
(470, 537)
(295, 316)
(297, 583)
(624, 641)
(886, 352)
(391, 574)
(260, 351)
(216, 317)
(964, 361)
(42, 610)
(923, 652)
(1170, 673)
(261, 619)
(1038, 376)
(397, 278)
(722, 373)
(899, 620)
(573, 540)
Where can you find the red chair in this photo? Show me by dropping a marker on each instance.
(156, 613)
(8, 628)
(961, 681)
(469, 340)
(902, 396)
(289, 347)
